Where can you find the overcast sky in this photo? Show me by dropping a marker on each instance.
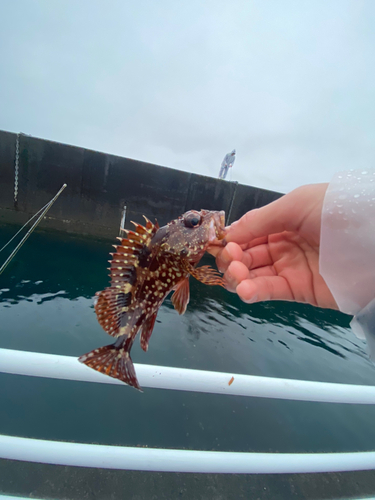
(289, 84)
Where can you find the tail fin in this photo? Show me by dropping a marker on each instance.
(114, 362)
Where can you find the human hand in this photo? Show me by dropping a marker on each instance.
(272, 253)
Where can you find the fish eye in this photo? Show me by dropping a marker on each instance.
(192, 219)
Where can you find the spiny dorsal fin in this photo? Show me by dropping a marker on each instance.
(128, 252)
(150, 225)
(113, 303)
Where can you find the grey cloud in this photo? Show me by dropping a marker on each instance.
(288, 84)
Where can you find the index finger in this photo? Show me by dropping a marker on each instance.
(259, 223)
(288, 213)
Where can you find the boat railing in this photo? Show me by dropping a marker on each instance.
(172, 460)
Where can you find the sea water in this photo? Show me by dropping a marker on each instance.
(46, 305)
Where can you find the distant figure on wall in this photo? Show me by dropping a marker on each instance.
(227, 164)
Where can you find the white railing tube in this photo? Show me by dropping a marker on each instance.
(160, 460)
(11, 497)
(68, 368)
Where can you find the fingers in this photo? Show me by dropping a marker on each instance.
(264, 288)
(255, 286)
(252, 258)
(259, 256)
(285, 214)
(232, 252)
(214, 250)
(224, 256)
(236, 272)
(259, 223)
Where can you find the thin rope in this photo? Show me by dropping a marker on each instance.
(18, 232)
(44, 211)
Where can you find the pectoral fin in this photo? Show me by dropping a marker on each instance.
(181, 296)
(206, 275)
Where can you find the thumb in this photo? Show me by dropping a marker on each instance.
(284, 214)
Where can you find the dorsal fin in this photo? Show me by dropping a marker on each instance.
(150, 225)
(113, 303)
(111, 309)
(127, 255)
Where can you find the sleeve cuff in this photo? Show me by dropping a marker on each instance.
(363, 326)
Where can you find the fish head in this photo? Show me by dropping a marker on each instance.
(191, 234)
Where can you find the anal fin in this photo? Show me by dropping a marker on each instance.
(147, 329)
(181, 296)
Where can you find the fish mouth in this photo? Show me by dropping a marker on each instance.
(217, 227)
(220, 227)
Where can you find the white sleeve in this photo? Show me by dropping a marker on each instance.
(347, 248)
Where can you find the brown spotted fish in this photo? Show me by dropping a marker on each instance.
(147, 265)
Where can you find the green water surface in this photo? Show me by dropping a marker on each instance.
(46, 306)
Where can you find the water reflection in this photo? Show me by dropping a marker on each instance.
(43, 273)
(50, 264)
(218, 310)
(46, 306)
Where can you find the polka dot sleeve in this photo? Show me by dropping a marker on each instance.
(347, 247)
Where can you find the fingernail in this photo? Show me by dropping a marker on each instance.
(253, 299)
(231, 226)
(224, 264)
(231, 284)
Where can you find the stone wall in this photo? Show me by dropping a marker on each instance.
(100, 185)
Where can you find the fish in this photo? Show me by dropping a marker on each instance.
(146, 266)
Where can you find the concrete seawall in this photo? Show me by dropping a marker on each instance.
(101, 185)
